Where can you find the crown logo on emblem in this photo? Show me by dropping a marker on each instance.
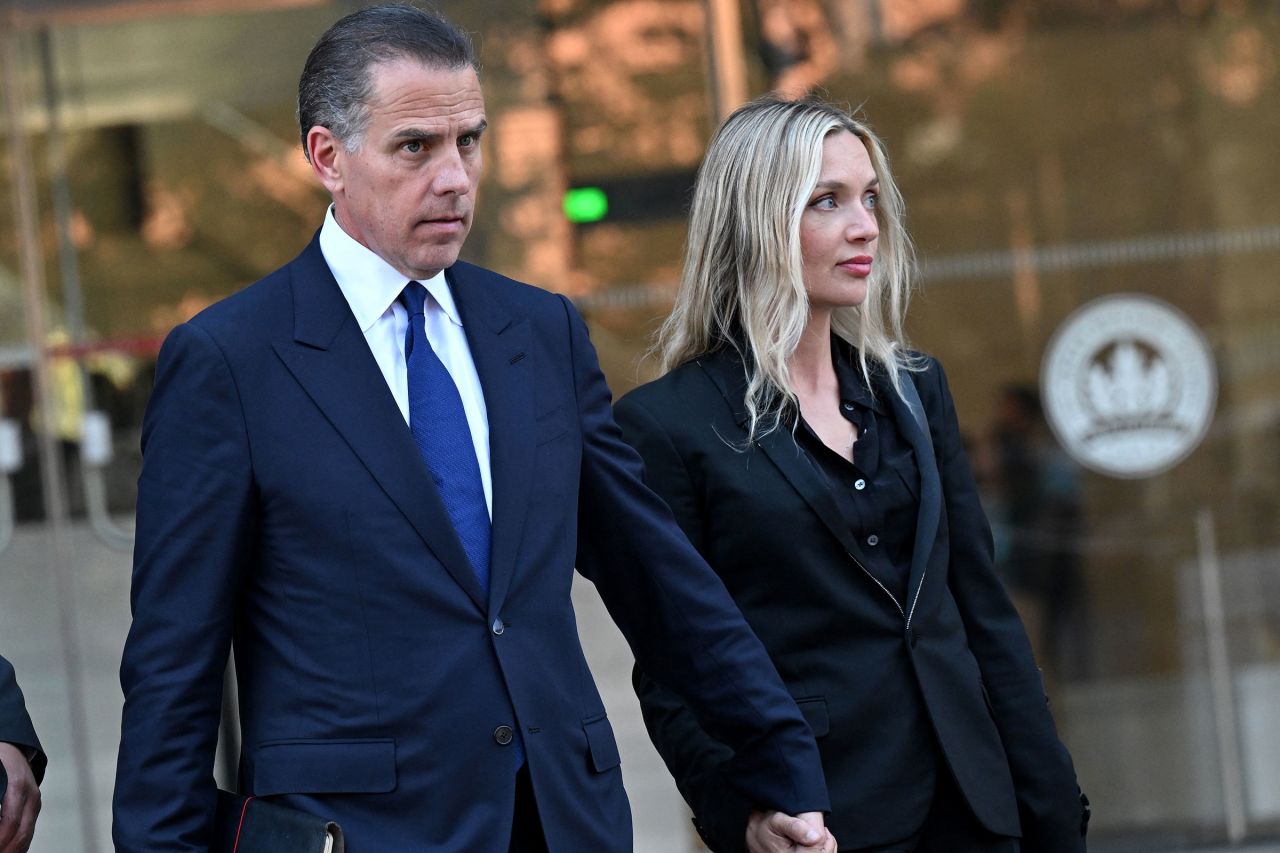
(1128, 386)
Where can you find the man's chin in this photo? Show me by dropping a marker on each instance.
(429, 263)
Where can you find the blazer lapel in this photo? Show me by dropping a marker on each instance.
(500, 347)
(912, 428)
(725, 369)
(330, 358)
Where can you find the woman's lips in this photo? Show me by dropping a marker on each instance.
(860, 266)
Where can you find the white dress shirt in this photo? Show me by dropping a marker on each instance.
(372, 289)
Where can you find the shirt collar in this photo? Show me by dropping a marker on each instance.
(853, 386)
(369, 283)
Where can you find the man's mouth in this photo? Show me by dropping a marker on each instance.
(449, 221)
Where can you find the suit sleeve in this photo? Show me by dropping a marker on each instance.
(15, 723)
(698, 762)
(193, 532)
(676, 614)
(1049, 804)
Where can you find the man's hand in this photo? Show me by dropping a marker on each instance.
(775, 832)
(21, 802)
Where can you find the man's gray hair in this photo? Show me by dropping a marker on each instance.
(336, 82)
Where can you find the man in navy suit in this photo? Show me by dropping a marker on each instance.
(22, 763)
(371, 474)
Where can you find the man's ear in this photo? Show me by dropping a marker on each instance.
(325, 151)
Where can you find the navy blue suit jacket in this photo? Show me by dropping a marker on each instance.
(896, 688)
(15, 723)
(285, 510)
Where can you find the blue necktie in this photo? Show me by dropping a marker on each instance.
(439, 426)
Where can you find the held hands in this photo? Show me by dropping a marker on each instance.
(775, 832)
(20, 804)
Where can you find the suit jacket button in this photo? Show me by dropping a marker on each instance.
(498, 627)
(502, 734)
(915, 635)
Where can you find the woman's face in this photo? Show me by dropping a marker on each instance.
(838, 228)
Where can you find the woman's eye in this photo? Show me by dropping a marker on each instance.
(827, 202)
(871, 201)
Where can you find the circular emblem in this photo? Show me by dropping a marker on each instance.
(1128, 385)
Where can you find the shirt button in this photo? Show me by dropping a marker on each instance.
(502, 734)
(859, 484)
(498, 627)
(873, 540)
(847, 406)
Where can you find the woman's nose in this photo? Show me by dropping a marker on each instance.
(864, 226)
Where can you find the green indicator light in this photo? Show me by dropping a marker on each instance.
(585, 204)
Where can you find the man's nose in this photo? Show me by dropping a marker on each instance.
(452, 176)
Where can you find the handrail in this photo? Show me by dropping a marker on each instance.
(95, 454)
(6, 513)
(10, 461)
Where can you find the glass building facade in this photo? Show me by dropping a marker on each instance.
(1051, 153)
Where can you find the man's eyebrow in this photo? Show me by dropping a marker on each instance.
(417, 134)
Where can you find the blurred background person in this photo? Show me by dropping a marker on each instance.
(795, 438)
(1033, 498)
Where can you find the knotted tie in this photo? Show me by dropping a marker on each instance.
(439, 426)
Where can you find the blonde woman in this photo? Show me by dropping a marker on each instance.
(816, 463)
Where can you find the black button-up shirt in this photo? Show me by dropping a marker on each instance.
(878, 494)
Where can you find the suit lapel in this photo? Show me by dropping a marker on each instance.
(331, 360)
(930, 485)
(725, 369)
(500, 348)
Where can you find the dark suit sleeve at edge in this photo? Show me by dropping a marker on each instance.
(1044, 778)
(15, 723)
(195, 503)
(676, 614)
(697, 761)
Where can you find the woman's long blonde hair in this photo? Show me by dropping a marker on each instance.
(742, 285)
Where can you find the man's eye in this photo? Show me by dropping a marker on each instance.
(413, 146)
(466, 140)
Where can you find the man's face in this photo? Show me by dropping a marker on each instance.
(409, 191)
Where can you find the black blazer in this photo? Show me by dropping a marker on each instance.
(892, 688)
(15, 724)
